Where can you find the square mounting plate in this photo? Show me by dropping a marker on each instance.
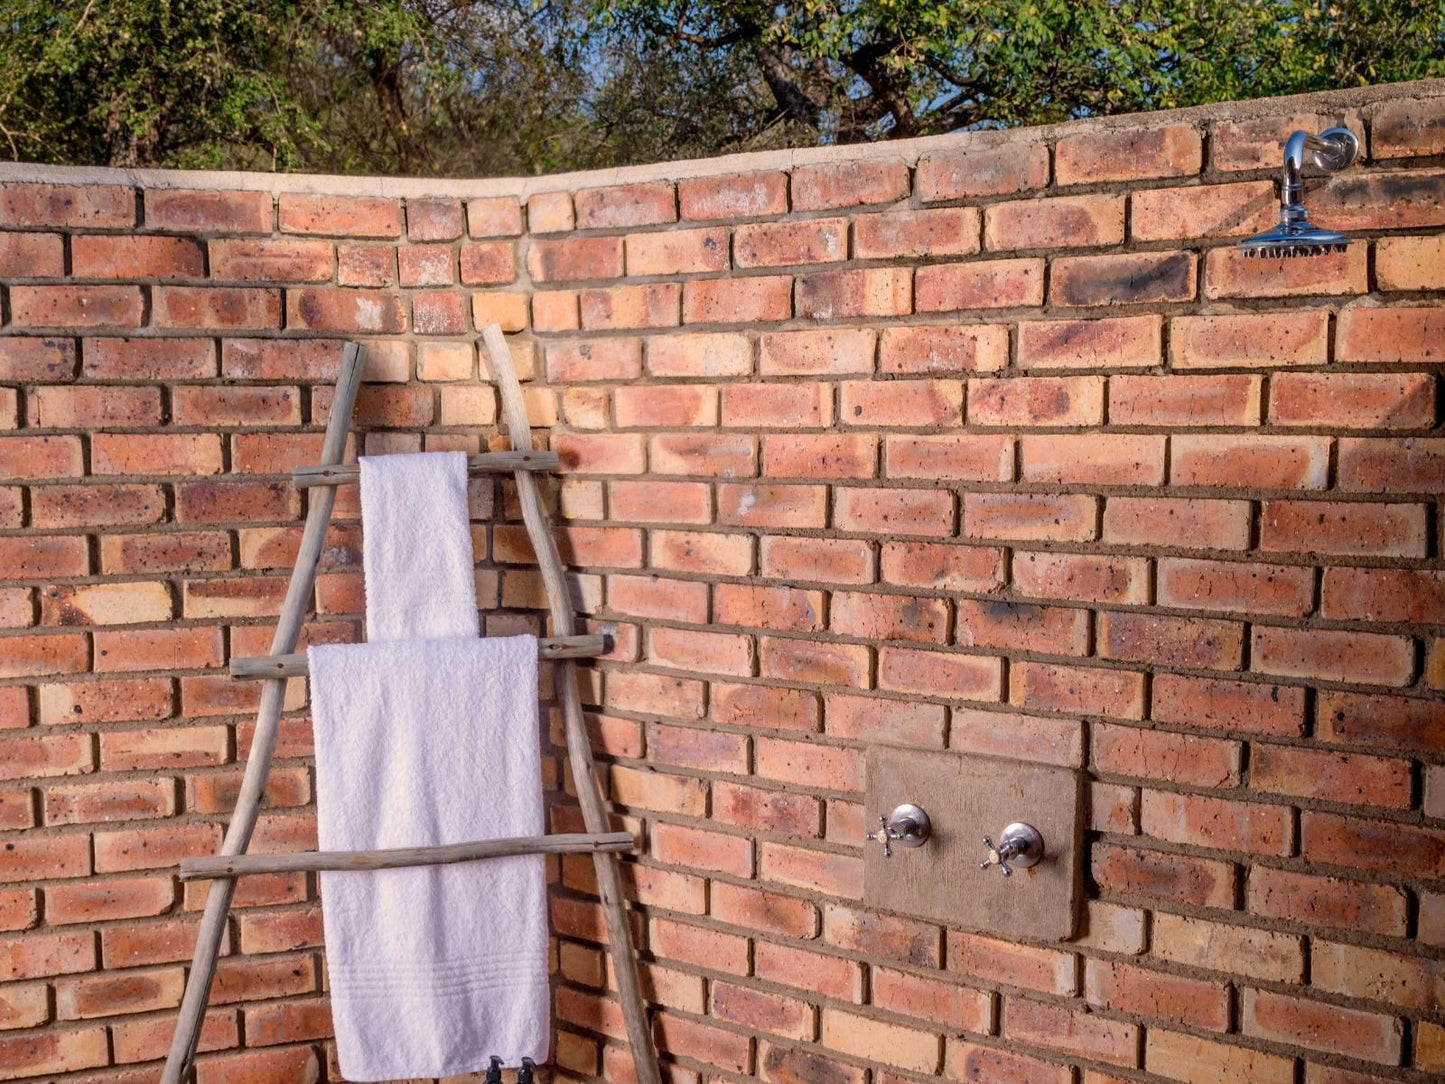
(967, 797)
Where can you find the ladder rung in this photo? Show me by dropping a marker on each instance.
(486, 463)
(264, 667)
(241, 865)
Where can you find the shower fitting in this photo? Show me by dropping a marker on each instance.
(1331, 150)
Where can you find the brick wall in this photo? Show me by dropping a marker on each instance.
(986, 443)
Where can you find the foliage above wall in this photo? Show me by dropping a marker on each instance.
(485, 87)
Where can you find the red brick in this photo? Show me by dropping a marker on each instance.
(812, 662)
(277, 359)
(675, 845)
(642, 204)
(1229, 273)
(99, 256)
(1104, 459)
(826, 455)
(1347, 840)
(366, 265)
(32, 255)
(43, 557)
(86, 207)
(966, 1061)
(1200, 821)
(762, 1011)
(76, 306)
(1081, 577)
(1379, 199)
(216, 307)
(1347, 778)
(208, 212)
(1021, 626)
(955, 1008)
(670, 406)
(911, 403)
(1255, 143)
(105, 701)
(1359, 657)
(1186, 401)
(777, 244)
(90, 803)
(761, 810)
(1048, 970)
(31, 656)
(276, 1066)
(38, 359)
(1037, 401)
(1157, 875)
(801, 353)
(1395, 465)
(780, 406)
(27, 457)
(1385, 594)
(1231, 949)
(340, 216)
(1410, 263)
(1198, 1061)
(699, 354)
(50, 755)
(234, 407)
(944, 350)
(438, 312)
(1055, 222)
(1037, 517)
(677, 252)
(158, 649)
(949, 676)
(1319, 1026)
(550, 212)
(1353, 400)
(1222, 704)
(650, 305)
(1128, 154)
(345, 310)
(1121, 342)
(54, 1052)
(894, 511)
(1257, 340)
(888, 617)
(1241, 462)
(900, 940)
(1282, 590)
(823, 559)
(45, 858)
(990, 284)
(869, 719)
(1210, 210)
(152, 848)
(171, 454)
(1184, 759)
(983, 171)
(734, 195)
(432, 265)
(575, 258)
(977, 458)
(1311, 902)
(1399, 980)
(271, 260)
(1155, 521)
(1078, 1034)
(1123, 279)
(500, 216)
(946, 231)
(847, 184)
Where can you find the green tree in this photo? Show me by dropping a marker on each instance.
(484, 87)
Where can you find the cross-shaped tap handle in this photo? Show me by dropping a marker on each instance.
(886, 834)
(998, 856)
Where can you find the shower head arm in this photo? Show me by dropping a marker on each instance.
(1331, 150)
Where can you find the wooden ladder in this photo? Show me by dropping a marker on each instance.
(562, 648)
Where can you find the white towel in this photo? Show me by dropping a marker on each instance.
(417, 547)
(424, 741)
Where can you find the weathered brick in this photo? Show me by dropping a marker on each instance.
(651, 305)
(208, 211)
(983, 171)
(76, 306)
(1199, 1061)
(32, 255)
(643, 204)
(990, 284)
(1410, 263)
(779, 244)
(1055, 222)
(979, 457)
(1229, 273)
(1030, 516)
(1347, 778)
(735, 195)
(1209, 210)
(1026, 401)
(1186, 401)
(876, 291)
(1128, 154)
(1124, 279)
(846, 184)
(1107, 459)
(1159, 875)
(943, 350)
(1237, 587)
(1122, 342)
(1320, 1026)
(99, 256)
(216, 307)
(1312, 901)
(340, 216)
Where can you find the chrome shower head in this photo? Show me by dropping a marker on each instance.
(1295, 235)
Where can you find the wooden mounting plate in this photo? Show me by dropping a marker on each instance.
(967, 797)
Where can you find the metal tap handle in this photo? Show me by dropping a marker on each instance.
(886, 834)
(998, 856)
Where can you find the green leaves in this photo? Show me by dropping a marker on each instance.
(476, 87)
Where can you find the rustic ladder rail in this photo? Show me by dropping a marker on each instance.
(273, 669)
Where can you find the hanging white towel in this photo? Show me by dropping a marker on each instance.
(425, 741)
(417, 547)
